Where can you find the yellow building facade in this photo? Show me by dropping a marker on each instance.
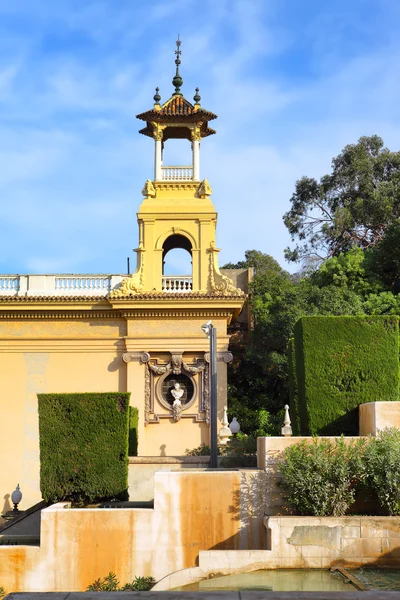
(139, 333)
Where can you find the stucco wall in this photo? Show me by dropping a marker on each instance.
(75, 354)
(50, 356)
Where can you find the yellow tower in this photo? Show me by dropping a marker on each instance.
(165, 312)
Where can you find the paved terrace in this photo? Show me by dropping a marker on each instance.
(244, 595)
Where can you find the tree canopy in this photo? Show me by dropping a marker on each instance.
(353, 206)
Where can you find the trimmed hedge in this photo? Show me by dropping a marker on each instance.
(342, 362)
(83, 446)
(293, 391)
(133, 430)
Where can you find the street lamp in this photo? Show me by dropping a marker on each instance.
(211, 333)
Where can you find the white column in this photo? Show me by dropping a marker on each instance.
(157, 160)
(196, 160)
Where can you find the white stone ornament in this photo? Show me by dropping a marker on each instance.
(286, 429)
(224, 433)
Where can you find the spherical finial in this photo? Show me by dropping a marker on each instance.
(157, 97)
(197, 97)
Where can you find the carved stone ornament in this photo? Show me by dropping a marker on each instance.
(195, 134)
(204, 189)
(227, 357)
(149, 190)
(219, 283)
(177, 410)
(130, 286)
(176, 366)
(142, 357)
(147, 395)
(158, 131)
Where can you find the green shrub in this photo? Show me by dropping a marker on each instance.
(2, 592)
(382, 469)
(342, 362)
(139, 584)
(202, 450)
(321, 475)
(133, 430)
(241, 451)
(110, 583)
(83, 446)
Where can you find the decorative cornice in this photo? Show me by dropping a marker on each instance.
(187, 296)
(225, 357)
(141, 357)
(59, 316)
(46, 299)
(176, 185)
(151, 314)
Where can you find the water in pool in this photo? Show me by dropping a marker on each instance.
(278, 581)
(379, 579)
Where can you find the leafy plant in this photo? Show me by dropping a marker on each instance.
(241, 451)
(110, 583)
(2, 592)
(139, 584)
(382, 469)
(321, 476)
(202, 450)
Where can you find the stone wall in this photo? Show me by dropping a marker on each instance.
(322, 542)
(375, 416)
(193, 511)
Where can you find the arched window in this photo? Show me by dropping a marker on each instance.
(177, 264)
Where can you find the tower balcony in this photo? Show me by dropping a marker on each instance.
(177, 173)
(177, 284)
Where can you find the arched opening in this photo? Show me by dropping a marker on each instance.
(177, 264)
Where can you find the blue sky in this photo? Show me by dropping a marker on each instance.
(292, 81)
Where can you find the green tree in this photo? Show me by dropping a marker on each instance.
(353, 206)
(386, 257)
(258, 383)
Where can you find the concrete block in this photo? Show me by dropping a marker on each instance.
(351, 531)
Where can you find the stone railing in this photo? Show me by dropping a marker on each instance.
(177, 173)
(179, 284)
(58, 285)
(9, 285)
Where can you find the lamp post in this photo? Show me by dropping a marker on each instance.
(211, 333)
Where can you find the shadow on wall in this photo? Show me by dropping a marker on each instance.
(7, 504)
(248, 508)
(117, 364)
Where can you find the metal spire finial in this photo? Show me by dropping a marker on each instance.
(177, 80)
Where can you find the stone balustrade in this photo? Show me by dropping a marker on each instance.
(177, 284)
(9, 285)
(177, 173)
(58, 285)
(79, 285)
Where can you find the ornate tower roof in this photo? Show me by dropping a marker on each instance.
(177, 110)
